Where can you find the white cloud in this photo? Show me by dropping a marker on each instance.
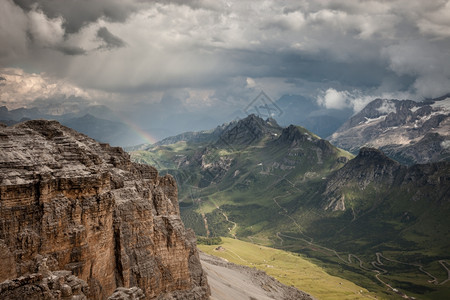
(335, 99)
(357, 99)
(250, 82)
(19, 88)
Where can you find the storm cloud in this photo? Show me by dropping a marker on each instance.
(110, 40)
(76, 14)
(215, 54)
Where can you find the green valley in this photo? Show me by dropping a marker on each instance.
(368, 219)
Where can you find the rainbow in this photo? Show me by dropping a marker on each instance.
(137, 129)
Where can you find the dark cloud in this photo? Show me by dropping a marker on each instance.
(213, 57)
(13, 33)
(71, 50)
(110, 40)
(199, 4)
(2, 78)
(76, 14)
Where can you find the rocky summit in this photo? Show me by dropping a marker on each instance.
(79, 220)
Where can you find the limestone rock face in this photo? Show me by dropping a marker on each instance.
(84, 207)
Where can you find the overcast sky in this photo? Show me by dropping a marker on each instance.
(210, 56)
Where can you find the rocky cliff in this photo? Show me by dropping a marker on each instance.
(79, 220)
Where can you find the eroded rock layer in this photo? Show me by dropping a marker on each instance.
(85, 208)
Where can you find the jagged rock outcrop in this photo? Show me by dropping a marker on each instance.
(248, 131)
(293, 135)
(45, 285)
(88, 210)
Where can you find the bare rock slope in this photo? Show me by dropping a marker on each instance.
(229, 281)
(78, 220)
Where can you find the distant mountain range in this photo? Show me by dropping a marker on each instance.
(286, 187)
(407, 131)
(98, 122)
(410, 132)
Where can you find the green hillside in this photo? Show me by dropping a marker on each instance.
(288, 268)
(377, 223)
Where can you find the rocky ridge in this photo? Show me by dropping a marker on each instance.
(410, 132)
(94, 217)
(373, 167)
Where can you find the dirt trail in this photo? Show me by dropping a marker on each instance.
(229, 221)
(205, 221)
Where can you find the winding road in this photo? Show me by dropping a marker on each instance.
(377, 266)
(228, 220)
(379, 271)
(443, 263)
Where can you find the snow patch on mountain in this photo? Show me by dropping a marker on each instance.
(445, 144)
(415, 108)
(371, 120)
(442, 105)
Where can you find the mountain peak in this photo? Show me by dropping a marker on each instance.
(248, 130)
(367, 152)
(294, 134)
(253, 120)
(374, 157)
(371, 165)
